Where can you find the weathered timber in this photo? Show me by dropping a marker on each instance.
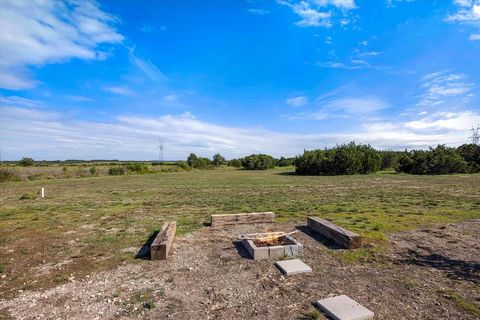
(160, 247)
(218, 220)
(339, 235)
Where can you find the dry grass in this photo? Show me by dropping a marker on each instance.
(90, 224)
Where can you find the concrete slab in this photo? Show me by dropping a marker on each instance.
(344, 308)
(294, 266)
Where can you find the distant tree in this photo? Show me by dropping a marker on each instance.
(343, 159)
(475, 137)
(236, 163)
(471, 154)
(284, 162)
(218, 160)
(258, 162)
(198, 162)
(26, 162)
(192, 159)
(439, 160)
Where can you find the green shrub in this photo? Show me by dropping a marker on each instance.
(137, 167)
(258, 162)
(284, 162)
(93, 171)
(471, 154)
(183, 165)
(26, 162)
(343, 159)
(198, 162)
(7, 174)
(439, 160)
(236, 163)
(218, 160)
(117, 171)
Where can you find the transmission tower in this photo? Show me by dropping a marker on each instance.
(160, 149)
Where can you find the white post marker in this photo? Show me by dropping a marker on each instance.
(43, 192)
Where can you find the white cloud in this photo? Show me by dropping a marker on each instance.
(77, 98)
(146, 67)
(469, 14)
(34, 33)
(457, 121)
(440, 87)
(54, 136)
(259, 12)
(120, 90)
(298, 101)
(318, 13)
(474, 37)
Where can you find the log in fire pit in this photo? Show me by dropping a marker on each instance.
(271, 245)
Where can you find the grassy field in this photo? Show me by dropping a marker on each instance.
(89, 224)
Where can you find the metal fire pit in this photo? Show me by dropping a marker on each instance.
(289, 247)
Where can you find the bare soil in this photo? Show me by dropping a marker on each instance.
(425, 274)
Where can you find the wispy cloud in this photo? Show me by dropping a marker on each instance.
(336, 105)
(259, 12)
(34, 33)
(77, 98)
(120, 90)
(146, 67)
(440, 87)
(317, 13)
(134, 137)
(298, 101)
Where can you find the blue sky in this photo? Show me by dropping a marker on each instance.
(106, 79)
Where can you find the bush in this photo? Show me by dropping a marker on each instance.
(258, 162)
(471, 154)
(198, 162)
(7, 174)
(344, 159)
(182, 165)
(93, 171)
(137, 167)
(284, 162)
(117, 171)
(218, 160)
(441, 160)
(26, 162)
(236, 163)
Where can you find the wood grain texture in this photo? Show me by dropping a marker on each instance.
(219, 220)
(341, 236)
(160, 247)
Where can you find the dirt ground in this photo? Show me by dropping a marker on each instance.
(425, 274)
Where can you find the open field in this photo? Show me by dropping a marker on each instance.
(86, 226)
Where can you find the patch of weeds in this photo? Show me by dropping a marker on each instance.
(361, 255)
(149, 304)
(312, 314)
(2, 268)
(28, 196)
(462, 303)
(172, 307)
(61, 278)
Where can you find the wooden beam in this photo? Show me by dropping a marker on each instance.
(219, 220)
(163, 241)
(343, 237)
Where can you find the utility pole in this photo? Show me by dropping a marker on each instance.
(160, 149)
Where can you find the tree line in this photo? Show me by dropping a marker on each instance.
(354, 158)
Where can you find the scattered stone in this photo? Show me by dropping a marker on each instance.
(344, 308)
(294, 266)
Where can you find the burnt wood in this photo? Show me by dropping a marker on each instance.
(160, 247)
(341, 236)
(219, 220)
